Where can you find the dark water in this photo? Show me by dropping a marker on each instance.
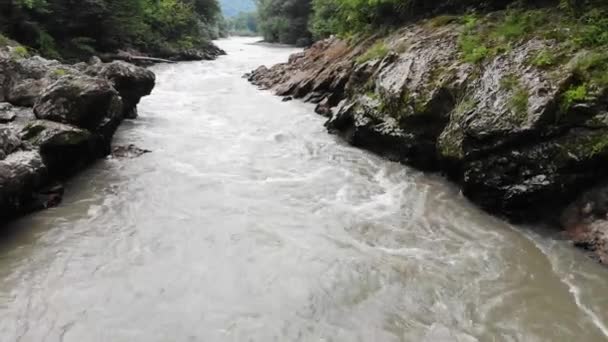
(249, 223)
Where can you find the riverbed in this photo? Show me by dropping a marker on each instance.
(248, 222)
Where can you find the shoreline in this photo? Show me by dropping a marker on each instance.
(418, 103)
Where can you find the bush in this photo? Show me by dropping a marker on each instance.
(574, 95)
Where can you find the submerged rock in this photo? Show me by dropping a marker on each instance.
(586, 222)
(128, 151)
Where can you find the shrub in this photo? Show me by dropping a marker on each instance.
(472, 48)
(544, 59)
(574, 95)
(20, 51)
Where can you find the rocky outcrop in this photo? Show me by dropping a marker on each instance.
(206, 51)
(209, 52)
(57, 119)
(82, 101)
(498, 128)
(131, 82)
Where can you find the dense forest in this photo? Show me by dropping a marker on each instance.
(71, 29)
(297, 21)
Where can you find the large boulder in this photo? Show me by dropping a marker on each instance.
(82, 101)
(63, 148)
(132, 82)
(22, 80)
(26, 92)
(21, 174)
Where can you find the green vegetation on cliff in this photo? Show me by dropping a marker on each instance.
(63, 28)
(289, 20)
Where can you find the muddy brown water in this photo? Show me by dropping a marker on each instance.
(248, 222)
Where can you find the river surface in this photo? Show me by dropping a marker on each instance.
(248, 222)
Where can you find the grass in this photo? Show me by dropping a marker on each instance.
(519, 101)
(442, 20)
(4, 40)
(464, 106)
(592, 67)
(509, 82)
(544, 59)
(20, 52)
(574, 95)
(59, 72)
(483, 37)
(519, 94)
(377, 51)
(473, 49)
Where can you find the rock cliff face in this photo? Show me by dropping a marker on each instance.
(498, 128)
(55, 119)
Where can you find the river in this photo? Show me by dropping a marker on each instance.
(248, 222)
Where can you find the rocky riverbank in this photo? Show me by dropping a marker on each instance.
(207, 52)
(509, 128)
(55, 119)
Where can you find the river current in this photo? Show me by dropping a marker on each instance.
(248, 222)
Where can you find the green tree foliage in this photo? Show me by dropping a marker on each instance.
(285, 21)
(73, 28)
(354, 16)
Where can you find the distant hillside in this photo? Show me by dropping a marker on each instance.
(231, 8)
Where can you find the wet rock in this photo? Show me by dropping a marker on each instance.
(6, 113)
(208, 52)
(64, 148)
(83, 101)
(131, 82)
(45, 198)
(128, 151)
(9, 141)
(21, 174)
(323, 108)
(585, 222)
(529, 181)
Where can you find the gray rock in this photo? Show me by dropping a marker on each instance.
(132, 82)
(21, 174)
(9, 140)
(63, 148)
(6, 113)
(82, 101)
